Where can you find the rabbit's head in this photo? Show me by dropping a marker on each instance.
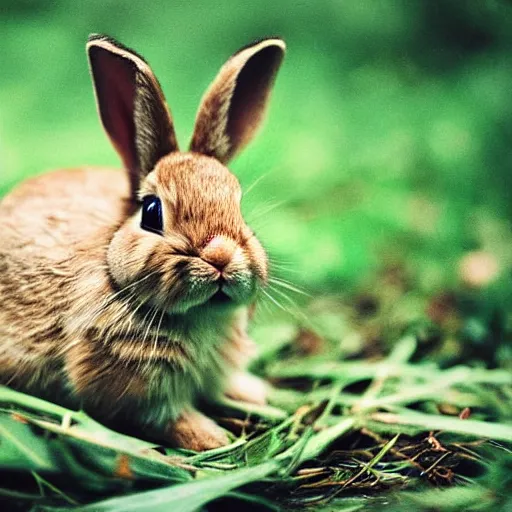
(185, 243)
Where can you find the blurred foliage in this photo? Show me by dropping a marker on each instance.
(381, 184)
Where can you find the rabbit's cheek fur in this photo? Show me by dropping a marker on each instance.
(257, 257)
(240, 282)
(146, 264)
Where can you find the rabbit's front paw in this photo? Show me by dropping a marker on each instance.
(246, 387)
(194, 431)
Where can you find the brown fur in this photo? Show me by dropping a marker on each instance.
(97, 311)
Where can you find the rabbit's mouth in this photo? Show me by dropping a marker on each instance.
(203, 286)
(220, 297)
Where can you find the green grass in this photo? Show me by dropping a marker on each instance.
(404, 427)
(384, 165)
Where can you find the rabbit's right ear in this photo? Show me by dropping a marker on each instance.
(234, 105)
(131, 105)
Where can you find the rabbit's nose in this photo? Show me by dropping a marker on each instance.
(219, 251)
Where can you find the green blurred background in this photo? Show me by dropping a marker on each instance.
(388, 138)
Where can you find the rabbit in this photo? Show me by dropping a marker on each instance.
(128, 293)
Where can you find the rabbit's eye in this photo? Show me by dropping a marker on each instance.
(152, 215)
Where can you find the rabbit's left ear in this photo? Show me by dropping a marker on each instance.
(234, 105)
(131, 105)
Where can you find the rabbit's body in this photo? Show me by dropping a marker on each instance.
(77, 335)
(127, 293)
(45, 224)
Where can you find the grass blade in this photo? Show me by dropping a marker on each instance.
(496, 431)
(187, 497)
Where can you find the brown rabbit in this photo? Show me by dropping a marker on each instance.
(127, 293)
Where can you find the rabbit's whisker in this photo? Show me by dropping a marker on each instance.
(288, 286)
(157, 334)
(296, 312)
(264, 209)
(274, 301)
(257, 181)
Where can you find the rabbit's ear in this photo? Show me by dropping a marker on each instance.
(131, 106)
(233, 107)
